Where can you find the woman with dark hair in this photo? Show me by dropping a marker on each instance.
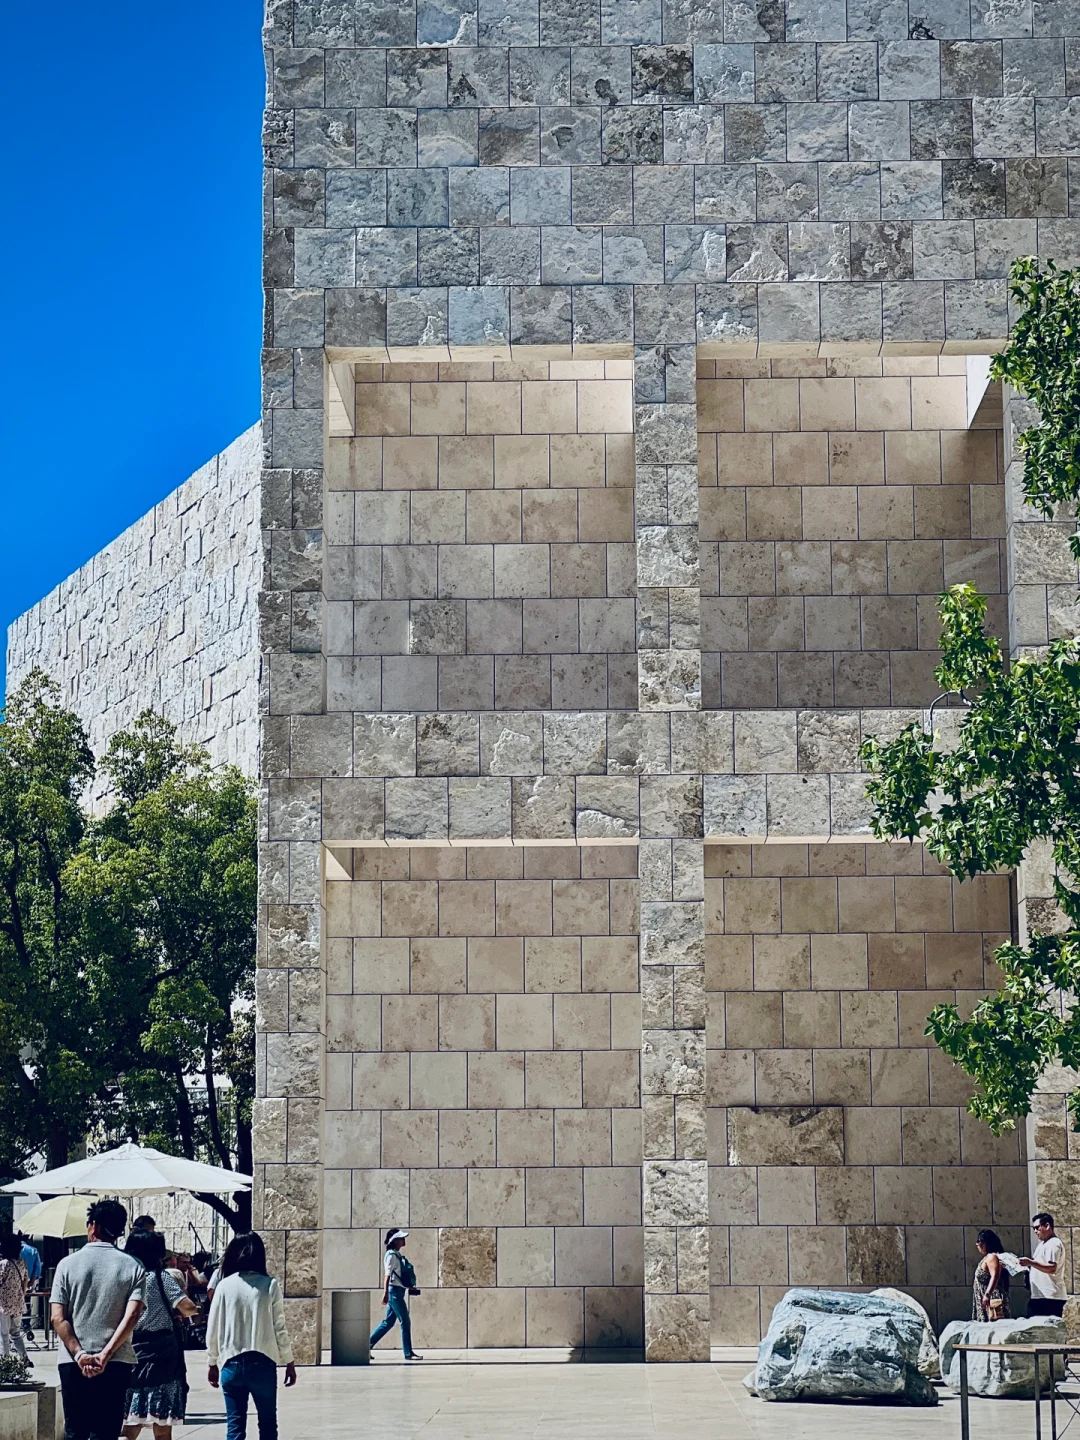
(157, 1394)
(247, 1338)
(399, 1280)
(13, 1286)
(990, 1300)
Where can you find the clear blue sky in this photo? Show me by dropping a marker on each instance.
(130, 236)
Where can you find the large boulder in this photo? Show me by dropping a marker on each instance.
(1000, 1376)
(830, 1345)
(929, 1364)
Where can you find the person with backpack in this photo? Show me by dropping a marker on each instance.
(399, 1281)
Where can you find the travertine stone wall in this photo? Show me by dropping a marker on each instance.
(450, 184)
(838, 499)
(840, 1152)
(479, 537)
(165, 618)
(658, 174)
(483, 1037)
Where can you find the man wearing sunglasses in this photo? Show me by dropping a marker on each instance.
(1047, 1266)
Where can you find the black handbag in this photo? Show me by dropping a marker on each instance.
(159, 1354)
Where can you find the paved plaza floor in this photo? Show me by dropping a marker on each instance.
(504, 1395)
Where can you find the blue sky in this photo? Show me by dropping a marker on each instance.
(129, 229)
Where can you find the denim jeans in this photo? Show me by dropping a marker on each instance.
(251, 1374)
(396, 1310)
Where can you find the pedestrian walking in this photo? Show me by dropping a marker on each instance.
(399, 1281)
(1047, 1269)
(247, 1338)
(990, 1300)
(31, 1258)
(13, 1287)
(157, 1394)
(98, 1294)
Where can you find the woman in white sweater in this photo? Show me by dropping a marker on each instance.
(246, 1338)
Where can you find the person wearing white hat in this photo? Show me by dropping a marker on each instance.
(399, 1281)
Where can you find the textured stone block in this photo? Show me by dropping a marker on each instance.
(677, 1328)
(673, 1062)
(606, 808)
(467, 1257)
(786, 1135)
(876, 1255)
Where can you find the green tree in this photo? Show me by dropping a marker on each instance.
(166, 887)
(56, 1042)
(1012, 779)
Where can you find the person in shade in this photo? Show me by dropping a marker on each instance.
(31, 1258)
(13, 1287)
(247, 1339)
(399, 1281)
(97, 1297)
(157, 1395)
(1046, 1269)
(990, 1300)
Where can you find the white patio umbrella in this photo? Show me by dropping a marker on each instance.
(132, 1170)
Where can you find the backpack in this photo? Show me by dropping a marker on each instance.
(408, 1274)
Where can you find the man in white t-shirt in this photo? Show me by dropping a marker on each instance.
(1047, 1266)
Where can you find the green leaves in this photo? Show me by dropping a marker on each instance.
(1042, 361)
(1012, 778)
(127, 941)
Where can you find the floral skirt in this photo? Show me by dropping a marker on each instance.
(157, 1404)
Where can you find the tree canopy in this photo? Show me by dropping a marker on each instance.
(136, 1000)
(1011, 780)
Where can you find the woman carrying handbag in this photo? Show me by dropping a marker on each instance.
(157, 1395)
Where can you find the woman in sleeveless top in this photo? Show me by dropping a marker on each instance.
(991, 1280)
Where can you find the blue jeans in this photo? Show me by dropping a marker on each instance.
(398, 1311)
(251, 1374)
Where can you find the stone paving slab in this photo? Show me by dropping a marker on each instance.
(542, 1394)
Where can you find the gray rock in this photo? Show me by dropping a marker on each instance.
(829, 1345)
(999, 1376)
(929, 1363)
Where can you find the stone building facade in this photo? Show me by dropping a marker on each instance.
(620, 429)
(165, 618)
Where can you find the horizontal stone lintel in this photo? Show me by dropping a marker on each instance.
(748, 347)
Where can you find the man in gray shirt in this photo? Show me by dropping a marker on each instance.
(97, 1297)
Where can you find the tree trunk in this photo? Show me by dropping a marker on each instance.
(57, 1148)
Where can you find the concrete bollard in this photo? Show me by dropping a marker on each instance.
(350, 1327)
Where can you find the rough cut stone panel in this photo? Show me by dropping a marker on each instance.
(669, 679)
(676, 1192)
(1057, 1184)
(876, 1255)
(673, 1062)
(677, 1328)
(467, 1256)
(302, 1262)
(290, 1197)
(786, 1135)
(302, 1318)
